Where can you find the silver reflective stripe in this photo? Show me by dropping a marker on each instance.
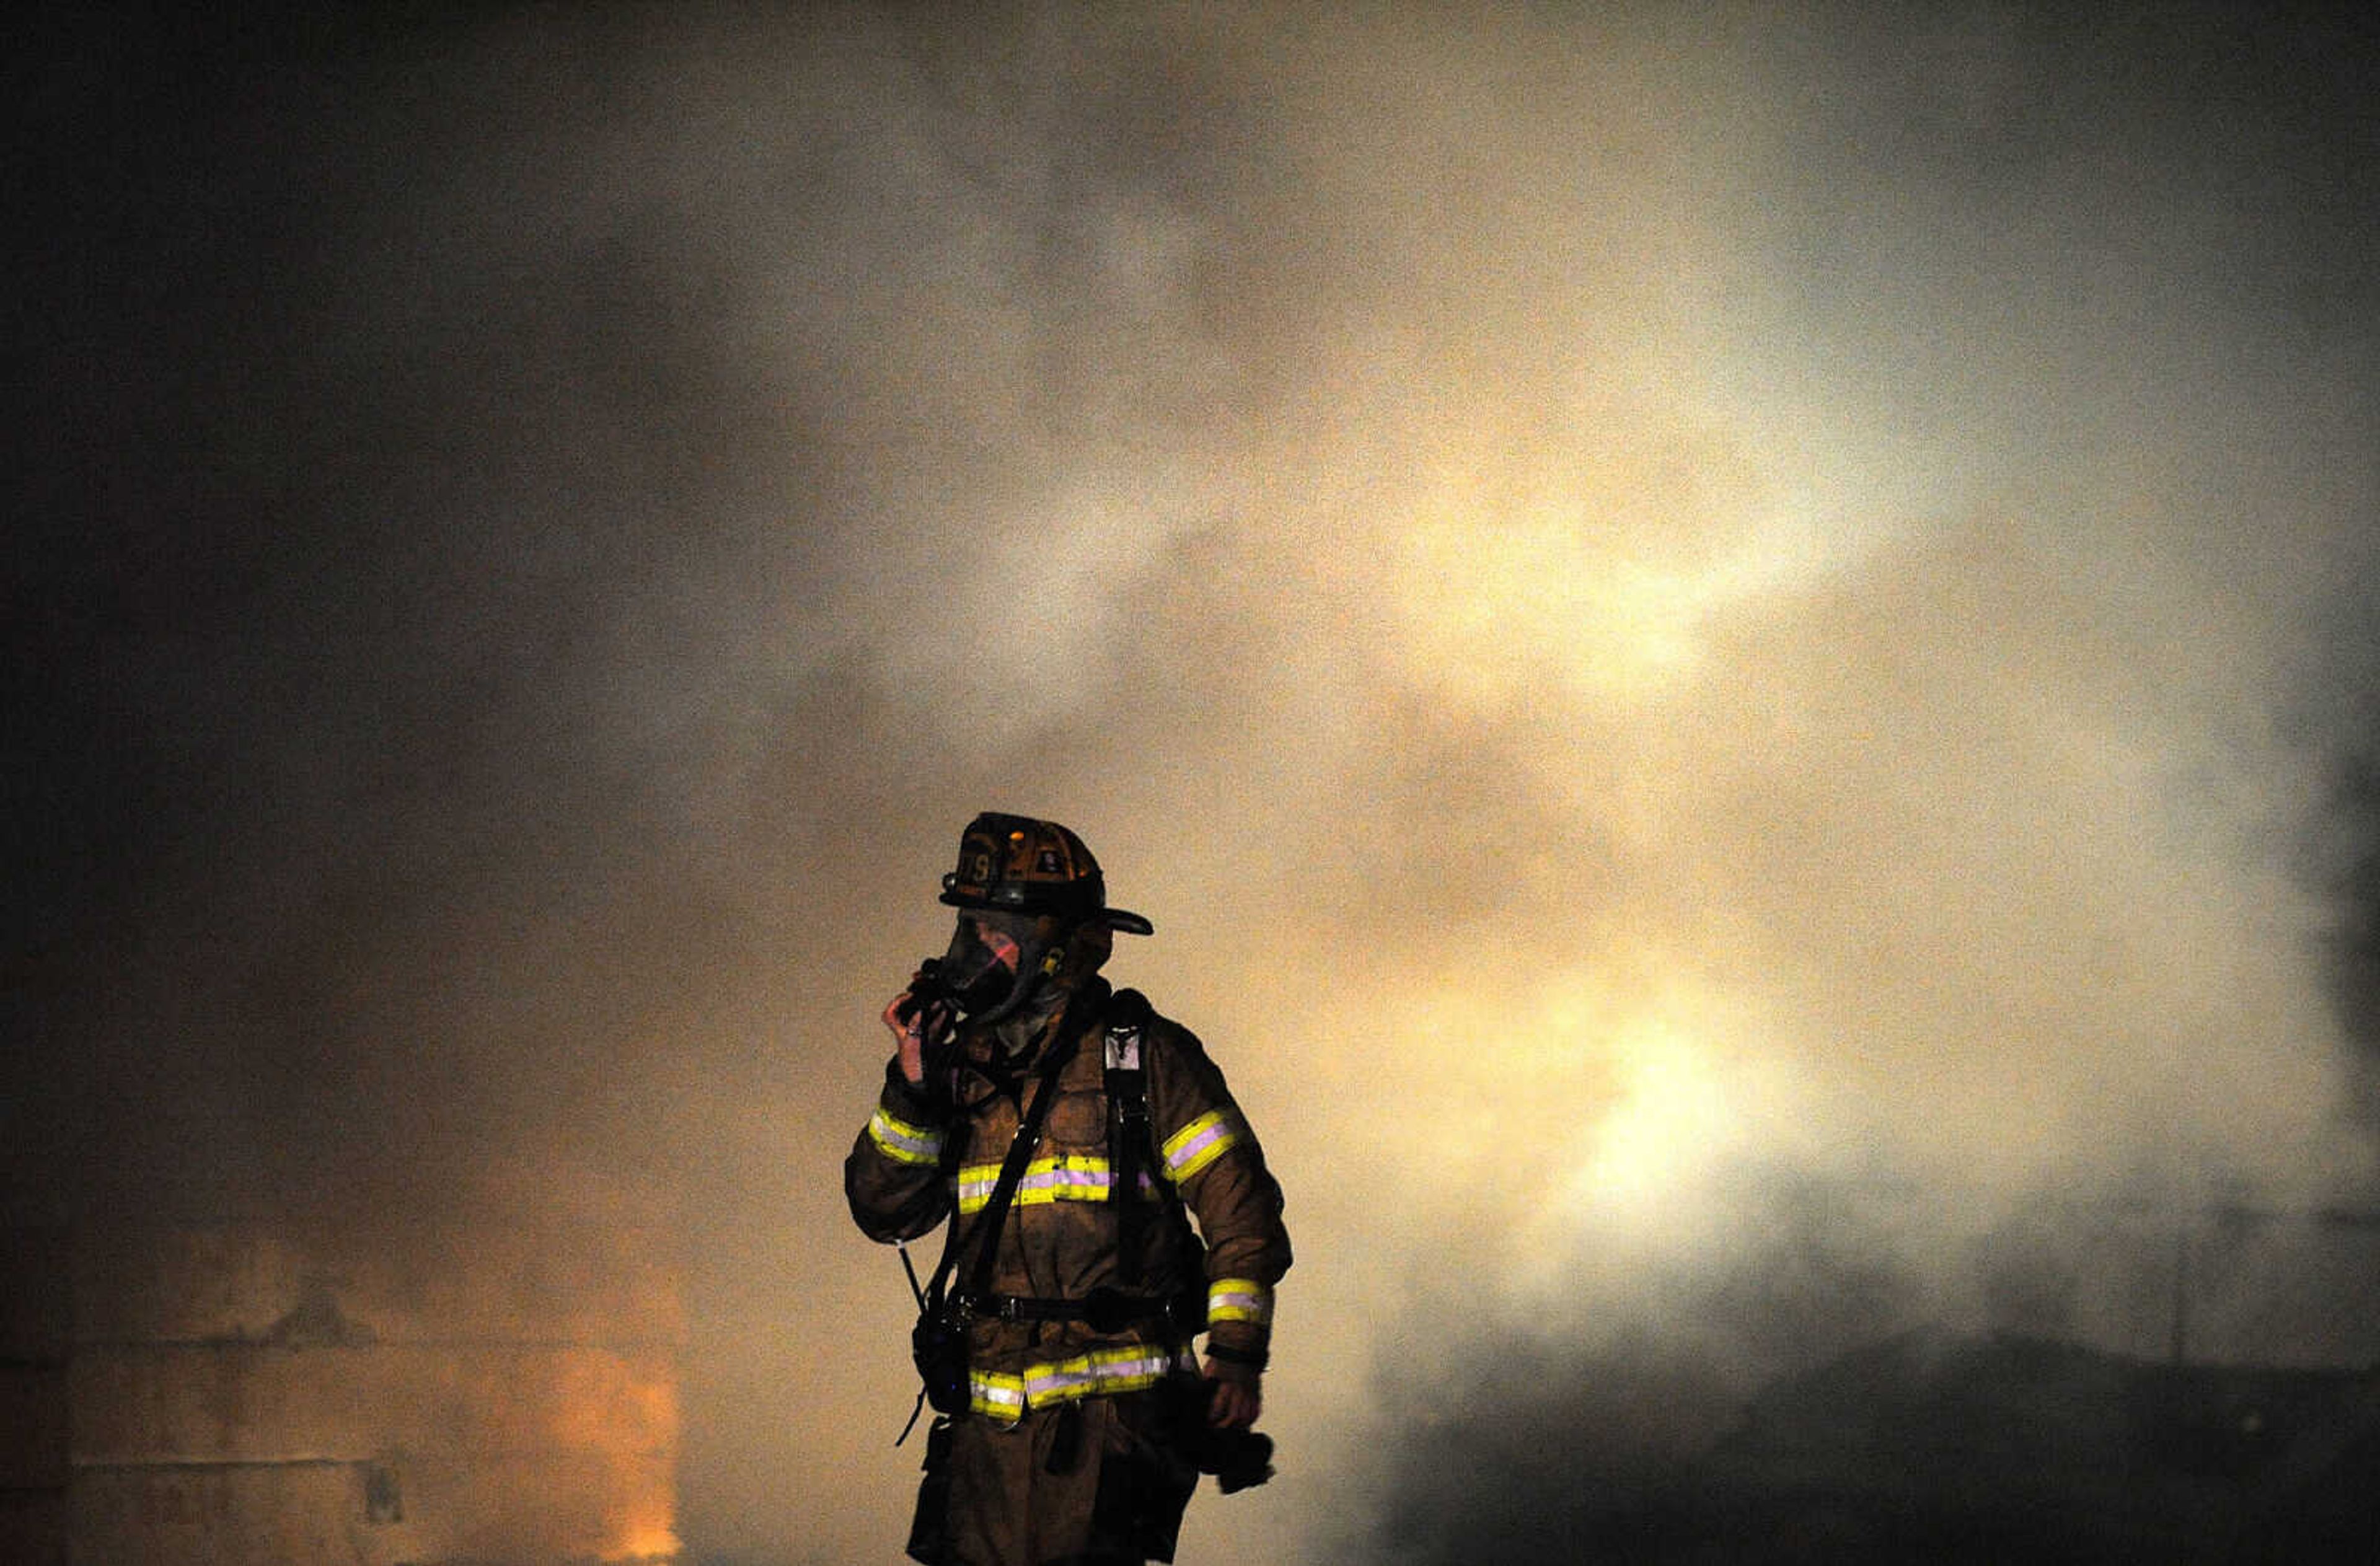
(1101, 1373)
(1066, 1177)
(1093, 1373)
(902, 1142)
(1070, 1177)
(1199, 1144)
(1238, 1299)
(1002, 1397)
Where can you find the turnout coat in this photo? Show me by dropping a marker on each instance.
(925, 1157)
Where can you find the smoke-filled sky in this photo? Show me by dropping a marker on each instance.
(1732, 651)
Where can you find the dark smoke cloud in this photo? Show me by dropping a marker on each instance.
(1641, 599)
(2344, 859)
(1528, 1448)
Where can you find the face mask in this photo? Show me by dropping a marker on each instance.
(987, 979)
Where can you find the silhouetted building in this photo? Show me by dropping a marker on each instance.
(257, 1395)
(1941, 1447)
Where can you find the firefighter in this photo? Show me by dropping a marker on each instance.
(1069, 1135)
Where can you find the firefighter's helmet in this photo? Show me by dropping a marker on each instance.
(1015, 864)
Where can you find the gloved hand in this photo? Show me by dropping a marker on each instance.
(912, 1023)
(1236, 1394)
(908, 1038)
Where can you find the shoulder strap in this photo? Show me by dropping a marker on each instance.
(986, 1233)
(1132, 1150)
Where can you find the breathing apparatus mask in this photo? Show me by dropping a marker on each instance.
(997, 963)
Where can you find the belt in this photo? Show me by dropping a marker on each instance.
(1102, 1310)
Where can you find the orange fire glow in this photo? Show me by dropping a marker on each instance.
(623, 1411)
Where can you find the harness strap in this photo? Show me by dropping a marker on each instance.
(985, 1232)
(1131, 1150)
(1103, 1309)
(1020, 1153)
(932, 1305)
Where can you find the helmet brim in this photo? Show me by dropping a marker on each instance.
(1121, 919)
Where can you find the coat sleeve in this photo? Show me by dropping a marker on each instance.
(1206, 1148)
(894, 1178)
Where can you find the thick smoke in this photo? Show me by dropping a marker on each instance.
(1723, 648)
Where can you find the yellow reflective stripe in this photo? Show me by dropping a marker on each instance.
(975, 1182)
(902, 1142)
(1069, 1177)
(1238, 1299)
(1199, 1144)
(1063, 1177)
(1002, 1397)
(1131, 1368)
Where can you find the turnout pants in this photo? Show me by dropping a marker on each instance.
(1088, 1483)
